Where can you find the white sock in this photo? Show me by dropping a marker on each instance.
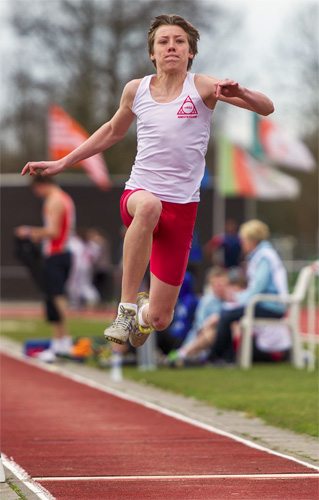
(128, 305)
(140, 316)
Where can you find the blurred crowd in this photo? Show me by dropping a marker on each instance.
(238, 263)
(247, 265)
(205, 327)
(90, 282)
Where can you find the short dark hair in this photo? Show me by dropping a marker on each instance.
(173, 20)
(40, 179)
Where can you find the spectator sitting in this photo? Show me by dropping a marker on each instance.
(215, 293)
(265, 274)
(196, 351)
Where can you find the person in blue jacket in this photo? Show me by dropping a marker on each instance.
(229, 243)
(265, 274)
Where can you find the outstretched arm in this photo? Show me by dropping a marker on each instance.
(107, 135)
(233, 93)
(213, 89)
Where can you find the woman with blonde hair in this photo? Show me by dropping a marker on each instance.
(265, 274)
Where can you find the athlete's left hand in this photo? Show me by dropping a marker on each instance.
(228, 88)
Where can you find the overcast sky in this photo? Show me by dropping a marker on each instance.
(264, 22)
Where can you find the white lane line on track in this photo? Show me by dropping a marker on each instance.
(165, 478)
(24, 477)
(96, 385)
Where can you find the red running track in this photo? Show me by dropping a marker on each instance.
(82, 443)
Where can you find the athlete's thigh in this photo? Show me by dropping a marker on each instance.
(163, 296)
(140, 198)
(172, 243)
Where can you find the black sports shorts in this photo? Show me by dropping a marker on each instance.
(57, 269)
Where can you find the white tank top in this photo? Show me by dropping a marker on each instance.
(172, 141)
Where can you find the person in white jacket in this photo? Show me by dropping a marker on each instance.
(265, 274)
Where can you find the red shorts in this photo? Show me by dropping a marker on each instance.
(172, 238)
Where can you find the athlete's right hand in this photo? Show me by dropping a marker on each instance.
(45, 167)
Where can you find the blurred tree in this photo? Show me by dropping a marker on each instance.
(299, 68)
(80, 54)
(298, 79)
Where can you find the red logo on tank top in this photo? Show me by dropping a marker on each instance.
(187, 109)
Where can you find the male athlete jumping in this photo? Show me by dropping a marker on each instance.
(173, 108)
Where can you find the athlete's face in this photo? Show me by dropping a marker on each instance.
(171, 48)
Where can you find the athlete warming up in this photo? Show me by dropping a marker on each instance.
(173, 108)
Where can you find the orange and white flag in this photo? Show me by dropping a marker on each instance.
(64, 135)
(239, 174)
(280, 147)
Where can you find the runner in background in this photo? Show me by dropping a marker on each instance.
(59, 218)
(173, 108)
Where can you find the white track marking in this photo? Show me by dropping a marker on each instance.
(165, 478)
(24, 477)
(96, 385)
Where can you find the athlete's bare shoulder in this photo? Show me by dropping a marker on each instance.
(53, 202)
(206, 86)
(133, 85)
(129, 92)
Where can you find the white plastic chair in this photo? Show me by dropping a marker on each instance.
(304, 285)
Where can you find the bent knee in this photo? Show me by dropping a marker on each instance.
(160, 321)
(149, 211)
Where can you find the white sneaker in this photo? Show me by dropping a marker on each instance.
(121, 328)
(140, 334)
(47, 356)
